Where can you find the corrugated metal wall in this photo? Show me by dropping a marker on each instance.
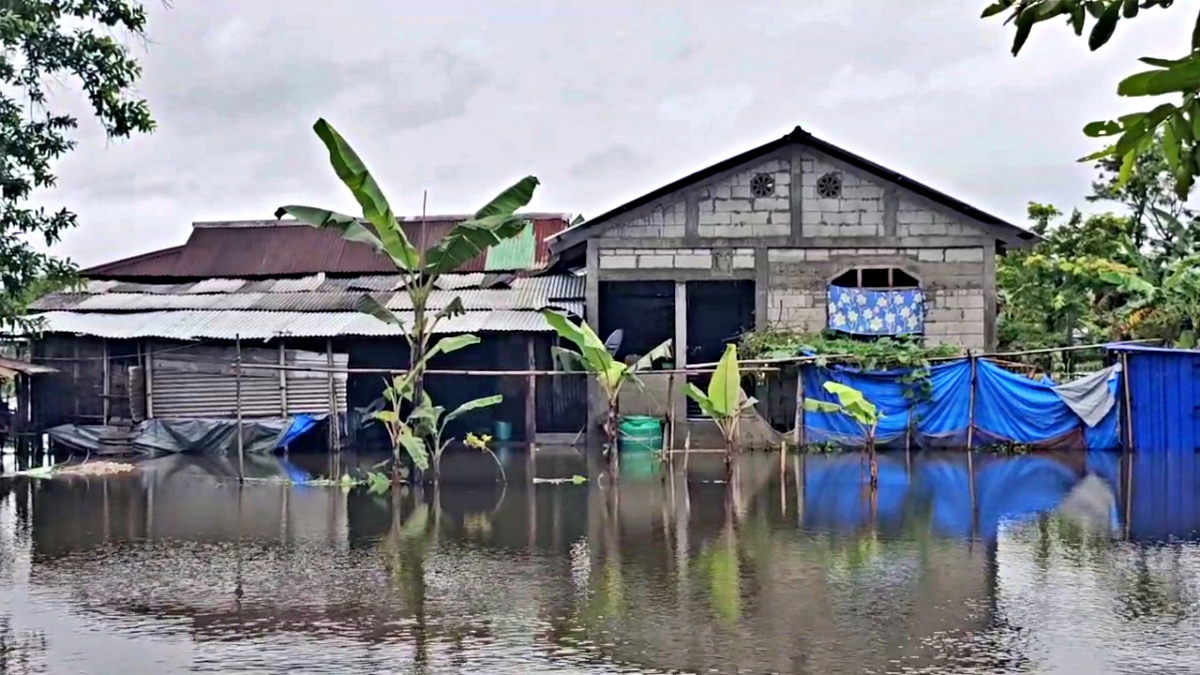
(200, 383)
(1164, 390)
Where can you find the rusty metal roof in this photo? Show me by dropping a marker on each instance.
(283, 248)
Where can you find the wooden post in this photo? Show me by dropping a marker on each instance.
(106, 380)
(237, 379)
(971, 440)
(335, 427)
(283, 397)
(1128, 401)
(971, 406)
(149, 372)
(530, 394)
(801, 435)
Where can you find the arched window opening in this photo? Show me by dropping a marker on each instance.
(876, 277)
(870, 302)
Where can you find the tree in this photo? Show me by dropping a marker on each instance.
(1161, 224)
(44, 41)
(1074, 286)
(419, 432)
(1174, 127)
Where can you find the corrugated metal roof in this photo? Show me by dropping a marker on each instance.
(554, 286)
(217, 286)
(452, 281)
(518, 253)
(250, 325)
(283, 248)
(335, 295)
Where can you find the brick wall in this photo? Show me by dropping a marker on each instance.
(952, 279)
(857, 213)
(728, 208)
(917, 219)
(663, 220)
(676, 258)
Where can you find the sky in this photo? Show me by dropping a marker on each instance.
(603, 101)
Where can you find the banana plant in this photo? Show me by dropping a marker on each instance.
(594, 357)
(431, 421)
(380, 229)
(421, 432)
(853, 404)
(725, 403)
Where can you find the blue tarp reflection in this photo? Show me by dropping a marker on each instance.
(1006, 489)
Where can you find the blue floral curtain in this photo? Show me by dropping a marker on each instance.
(860, 311)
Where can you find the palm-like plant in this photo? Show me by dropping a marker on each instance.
(594, 357)
(853, 404)
(420, 267)
(725, 403)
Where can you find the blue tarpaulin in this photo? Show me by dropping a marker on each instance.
(1008, 408)
(300, 425)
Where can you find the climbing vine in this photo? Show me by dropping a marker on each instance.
(884, 353)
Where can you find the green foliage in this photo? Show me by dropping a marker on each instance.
(1173, 128)
(47, 44)
(419, 434)
(1076, 286)
(724, 403)
(884, 353)
(378, 483)
(592, 357)
(853, 404)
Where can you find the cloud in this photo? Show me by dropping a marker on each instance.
(460, 99)
(847, 86)
(712, 109)
(613, 159)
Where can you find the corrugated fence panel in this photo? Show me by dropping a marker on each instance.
(1164, 391)
(179, 394)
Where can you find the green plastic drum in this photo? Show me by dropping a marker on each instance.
(639, 433)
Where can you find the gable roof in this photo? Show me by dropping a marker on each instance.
(279, 248)
(579, 233)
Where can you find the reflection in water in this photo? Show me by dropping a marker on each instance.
(1066, 563)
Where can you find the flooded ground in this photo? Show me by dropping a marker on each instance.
(1065, 564)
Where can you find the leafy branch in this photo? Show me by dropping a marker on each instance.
(1174, 127)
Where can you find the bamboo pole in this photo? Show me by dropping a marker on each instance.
(479, 373)
(530, 395)
(971, 406)
(107, 381)
(241, 449)
(335, 426)
(283, 397)
(149, 373)
(670, 417)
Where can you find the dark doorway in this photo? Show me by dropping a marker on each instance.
(718, 313)
(644, 310)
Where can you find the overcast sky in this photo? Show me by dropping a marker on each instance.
(604, 101)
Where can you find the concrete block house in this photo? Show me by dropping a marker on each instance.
(797, 233)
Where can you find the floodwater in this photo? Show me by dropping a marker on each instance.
(1068, 563)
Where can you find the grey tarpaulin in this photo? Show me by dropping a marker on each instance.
(1090, 397)
(196, 436)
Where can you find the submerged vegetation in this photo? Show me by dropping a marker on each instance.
(592, 356)
(725, 402)
(414, 423)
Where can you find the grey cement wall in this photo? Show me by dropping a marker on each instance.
(793, 243)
